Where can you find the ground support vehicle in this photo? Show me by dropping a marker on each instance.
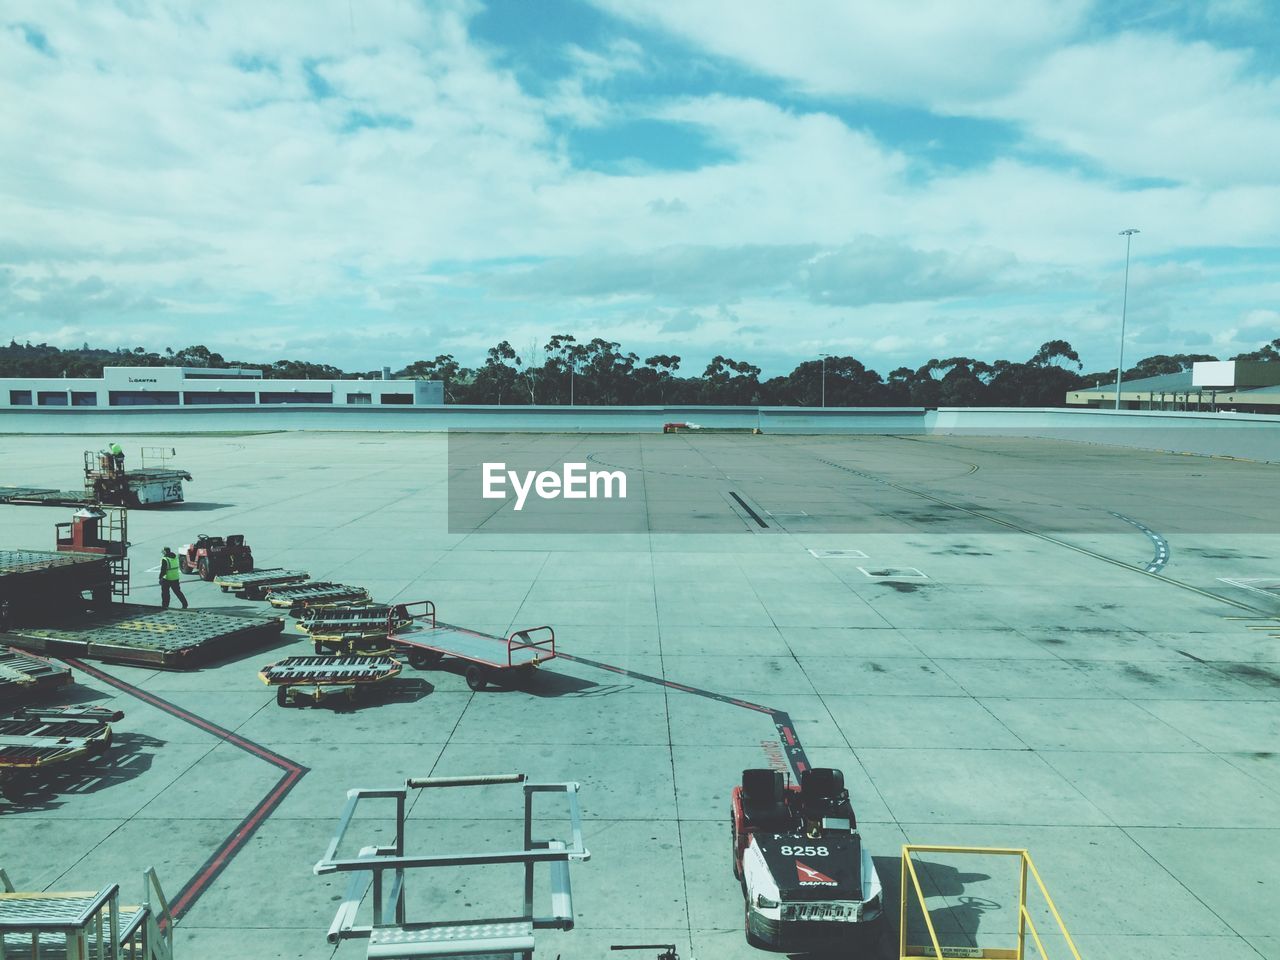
(213, 556)
(34, 740)
(299, 679)
(387, 866)
(154, 483)
(51, 924)
(354, 630)
(307, 596)
(489, 659)
(253, 585)
(808, 882)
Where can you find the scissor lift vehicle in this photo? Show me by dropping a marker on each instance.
(307, 596)
(353, 630)
(35, 739)
(489, 659)
(326, 676)
(254, 585)
(393, 936)
(80, 926)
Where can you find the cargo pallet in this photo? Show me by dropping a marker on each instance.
(23, 676)
(255, 584)
(305, 596)
(149, 636)
(326, 676)
(489, 659)
(52, 924)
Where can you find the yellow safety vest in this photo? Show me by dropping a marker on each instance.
(169, 565)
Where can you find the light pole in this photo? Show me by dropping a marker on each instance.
(1124, 306)
(824, 377)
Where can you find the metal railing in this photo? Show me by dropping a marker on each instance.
(1026, 922)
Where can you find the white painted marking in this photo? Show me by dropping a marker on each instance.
(839, 554)
(1246, 583)
(895, 573)
(155, 569)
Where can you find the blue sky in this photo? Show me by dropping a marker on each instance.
(373, 183)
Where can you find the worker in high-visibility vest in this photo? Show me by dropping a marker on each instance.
(117, 454)
(169, 574)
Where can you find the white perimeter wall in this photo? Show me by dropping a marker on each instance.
(1250, 436)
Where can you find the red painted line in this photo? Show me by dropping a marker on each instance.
(196, 721)
(789, 736)
(232, 845)
(192, 890)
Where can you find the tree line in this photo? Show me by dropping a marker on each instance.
(598, 371)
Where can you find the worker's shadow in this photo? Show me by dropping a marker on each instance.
(128, 756)
(957, 918)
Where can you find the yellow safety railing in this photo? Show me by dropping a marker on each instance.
(1025, 922)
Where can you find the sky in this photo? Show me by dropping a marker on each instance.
(371, 183)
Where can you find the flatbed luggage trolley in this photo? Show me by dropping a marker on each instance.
(489, 658)
(326, 676)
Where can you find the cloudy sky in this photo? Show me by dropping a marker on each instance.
(373, 181)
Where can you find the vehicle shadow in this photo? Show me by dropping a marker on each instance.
(396, 690)
(129, 756)
(196, 506)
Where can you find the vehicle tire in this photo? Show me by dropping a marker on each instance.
(282, 696)
(248, 566)
(476, 679)
(424, 659)
(202, 567)
(183, 565)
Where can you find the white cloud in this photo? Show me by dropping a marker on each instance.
(1149, 105)
(183, 163)
(899, 52)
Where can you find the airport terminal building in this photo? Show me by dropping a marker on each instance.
(206, 386)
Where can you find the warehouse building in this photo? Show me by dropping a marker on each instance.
(1238, 386)
(208, 386)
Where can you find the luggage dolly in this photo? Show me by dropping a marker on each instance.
(34, 739)
(386, 867)
(489, 658)
(326, 676)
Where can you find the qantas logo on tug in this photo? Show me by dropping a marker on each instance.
(809, 877)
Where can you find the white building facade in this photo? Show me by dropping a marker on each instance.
(168, 387)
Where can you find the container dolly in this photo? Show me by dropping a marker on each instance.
(353, 630)
(489, 659)
(326, 676)
(35, 739)
(253, 585)
(312, 595)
